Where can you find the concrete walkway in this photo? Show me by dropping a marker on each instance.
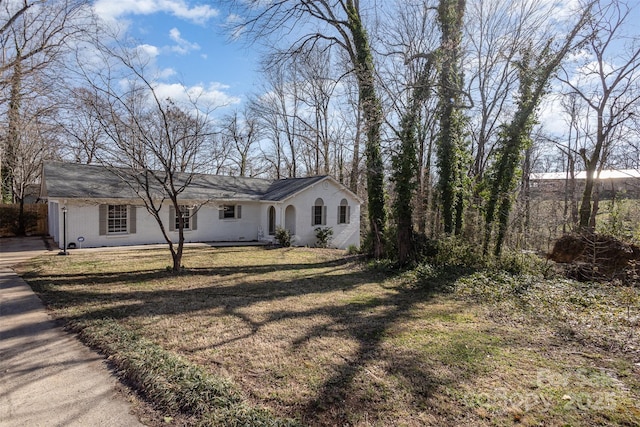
(47, 377)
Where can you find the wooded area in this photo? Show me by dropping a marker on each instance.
(431, 110)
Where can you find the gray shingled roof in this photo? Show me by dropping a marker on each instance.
(74, 180)
(283, 188)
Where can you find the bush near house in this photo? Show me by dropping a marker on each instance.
(324, 236)
(283, 237)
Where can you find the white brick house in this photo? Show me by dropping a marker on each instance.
(102, 210)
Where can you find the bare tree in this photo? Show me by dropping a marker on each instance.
(574, 109)
(240, 131)
(36, 31)
(35, 34)
(155, 145)
(340, 24)
(608, 80)
(277, 112)
(355, 112)
(409, 84)
(535, 69)
(82, 129)
(219, 155)
(317, 90)
(36, 142)
(496, 32)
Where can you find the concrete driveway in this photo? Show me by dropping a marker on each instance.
(48, 378)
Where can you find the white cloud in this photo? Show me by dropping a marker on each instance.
(166, 73)
(183, 46)
(148, 50)
(552, 116)
(562, 10)
(111, 10)
(212, 95)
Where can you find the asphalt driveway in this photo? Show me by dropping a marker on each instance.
(48, 378)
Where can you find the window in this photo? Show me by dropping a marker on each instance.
(271, 217)
(117, 219)
(230, 212)
(344, 212)
(318, 213)
(185, 211)
(189, 215)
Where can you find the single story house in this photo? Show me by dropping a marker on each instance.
(101, 209)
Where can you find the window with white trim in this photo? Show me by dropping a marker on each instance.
(185, 211)
(344, 212)
(117, 219)
(189, 215)
(230, 212)
(318, 213)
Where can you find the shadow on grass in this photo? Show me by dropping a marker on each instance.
(339, 399)
(141, 275)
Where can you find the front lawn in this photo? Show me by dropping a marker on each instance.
(259, 336)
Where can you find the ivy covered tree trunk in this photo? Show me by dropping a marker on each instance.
(450, 147)
(355, 161)
(513, 139)
(372, 109)
(534, 74)
(406, 167)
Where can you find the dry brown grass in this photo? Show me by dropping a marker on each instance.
(320, 338)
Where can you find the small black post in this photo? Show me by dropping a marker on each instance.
(64, 231)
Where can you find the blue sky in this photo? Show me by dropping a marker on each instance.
(186, 43)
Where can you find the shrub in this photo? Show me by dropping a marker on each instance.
(324, 236)
(452, 251)
(283, 236)
(521, 262)
(352, 250)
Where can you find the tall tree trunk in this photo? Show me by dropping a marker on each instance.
(595, 207)
(591, 166)
(450, 145)
(372, 108)
(406, 166)
(534, 70)
(424, 164)
(427, 197)
(355, 162)
(526, 193)
(13, 131)
(22, 220)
